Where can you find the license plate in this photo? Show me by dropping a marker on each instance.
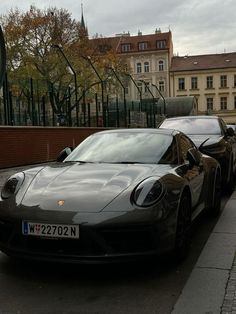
(50, 230)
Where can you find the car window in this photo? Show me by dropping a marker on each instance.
(192, 126)
(223, 126)
(171, 154)
(126, 147)
(184, 145)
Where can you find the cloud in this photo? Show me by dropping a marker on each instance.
(198, 26)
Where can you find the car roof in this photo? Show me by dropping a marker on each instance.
(141, 130)
(192, 117)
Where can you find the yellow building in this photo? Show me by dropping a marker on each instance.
(211, 79)
(148, 58)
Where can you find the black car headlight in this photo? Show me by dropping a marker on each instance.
(148, 192)
(12, 185)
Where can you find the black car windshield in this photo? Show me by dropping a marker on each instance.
(193, 126)
(124, 147)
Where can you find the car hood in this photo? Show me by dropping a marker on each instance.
(84, 187)
(199, 139)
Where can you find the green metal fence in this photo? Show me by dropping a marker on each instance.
(31, 107)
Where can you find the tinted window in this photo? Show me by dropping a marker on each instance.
(193, 126)
(127, 147)
(185, 145)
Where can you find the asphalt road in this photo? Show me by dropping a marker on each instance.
(147, 287)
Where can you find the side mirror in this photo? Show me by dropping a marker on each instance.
(64, 153)
(194, 157)
(230, 131)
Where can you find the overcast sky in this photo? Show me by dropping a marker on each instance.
(197, 26)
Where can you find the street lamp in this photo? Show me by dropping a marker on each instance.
(88, 58)
(123, 86)
(75, 82)
(164, 101)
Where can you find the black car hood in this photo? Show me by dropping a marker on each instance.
(84, 187)
(198, 139)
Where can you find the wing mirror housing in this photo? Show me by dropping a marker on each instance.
(64, 153)
(194, 157)
(230, 132)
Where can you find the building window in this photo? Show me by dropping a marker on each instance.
(139, 67)
(161, 65)
(146, 66)
(234, 80)
(181, 83)
(223, 81)
(223, 103)
(125, 47)
(146, 87)
(161, 86)
(194, 83)
(234, 102)
(210, 103)
(142, 46)
(161, 44)
(209, 81)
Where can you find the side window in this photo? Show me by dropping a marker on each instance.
(171, 154)
(223, 126)
(185, 145)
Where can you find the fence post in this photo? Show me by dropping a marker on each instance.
(32, 101)
(96, 101)
(11, 113)
(5, 99)
(117, 113)
(89, 117)
(44, 111)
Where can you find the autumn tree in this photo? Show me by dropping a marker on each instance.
(30, 40)
(45, 45)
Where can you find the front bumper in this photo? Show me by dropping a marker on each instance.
(95, 245)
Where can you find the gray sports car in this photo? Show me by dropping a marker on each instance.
(120, 194)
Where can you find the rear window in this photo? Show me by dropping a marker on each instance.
(193, 126)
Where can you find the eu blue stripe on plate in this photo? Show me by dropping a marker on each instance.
(25, 227)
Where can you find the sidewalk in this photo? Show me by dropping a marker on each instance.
(211, 287)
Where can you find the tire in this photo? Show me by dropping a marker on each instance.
(215, 207)
(231, 183)
(183, 228)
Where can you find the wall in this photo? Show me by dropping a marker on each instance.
(29, 145)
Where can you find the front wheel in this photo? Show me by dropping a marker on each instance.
(183, 226)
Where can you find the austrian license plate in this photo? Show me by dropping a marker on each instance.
(50, 230)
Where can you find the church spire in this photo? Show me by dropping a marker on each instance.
(82, 23)
(82, 17)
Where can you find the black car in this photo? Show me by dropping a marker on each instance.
(121, 194)
(212, 136)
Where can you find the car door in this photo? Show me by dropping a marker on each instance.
(194, 174)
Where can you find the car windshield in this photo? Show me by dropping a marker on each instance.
(124, 147)
(193, 126)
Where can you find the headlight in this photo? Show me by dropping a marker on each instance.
(12, 185)
(148, 192)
